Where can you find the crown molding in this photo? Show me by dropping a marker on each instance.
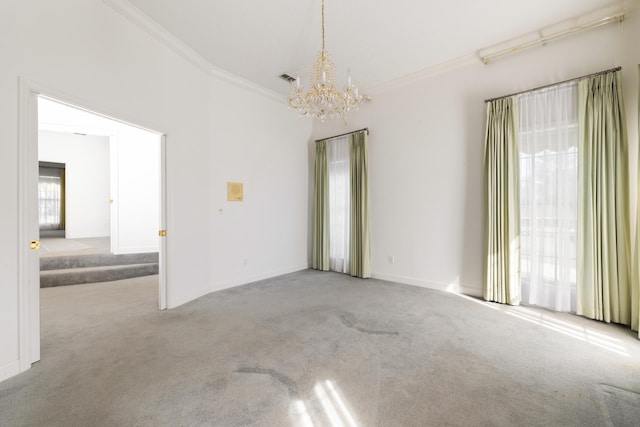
(559, 30)
(441, 68)
(246, 84)
(135, 15)
(475, 58)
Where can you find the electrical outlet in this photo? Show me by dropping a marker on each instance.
(245, 262)
(392, 259)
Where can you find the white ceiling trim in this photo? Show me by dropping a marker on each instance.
(551, 33)
(138, 17)
(246, 84)
(476, 57)
(444, 67)
(135, 15)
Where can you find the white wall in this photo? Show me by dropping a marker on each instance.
(90, 55)
(86, 159)
(426, 147)
(135, 190)
(264, 146)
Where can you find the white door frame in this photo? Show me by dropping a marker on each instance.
(28, 230)
(162, 273)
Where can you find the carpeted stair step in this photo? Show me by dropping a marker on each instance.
(77, 276)
(97, 260)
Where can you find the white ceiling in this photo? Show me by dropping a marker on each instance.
(379, 40)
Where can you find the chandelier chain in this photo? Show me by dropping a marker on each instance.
(324, 100)
(323, 49)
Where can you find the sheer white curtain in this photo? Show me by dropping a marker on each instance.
(548, 143)
(50, 198)
(339, 204)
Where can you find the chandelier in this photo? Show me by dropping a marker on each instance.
(323, 100)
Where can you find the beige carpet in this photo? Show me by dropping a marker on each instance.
(59, 246)
(319, 349)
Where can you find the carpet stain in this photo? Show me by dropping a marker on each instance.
(621, 407)
(292, 387)
(216, 385)
(349, 321)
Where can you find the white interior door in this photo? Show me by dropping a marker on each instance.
(114, 230)
(162, 273)
(28, 229)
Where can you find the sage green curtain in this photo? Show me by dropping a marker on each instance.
(502, 204)
(635, 289)
(320, 242)
(604, 288)
(360, 244)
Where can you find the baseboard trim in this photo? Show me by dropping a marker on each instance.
(9, 370)
(429, 284)
(85, 236)
(250, 279)
(171, 304)
(472, 292)
(128, 251)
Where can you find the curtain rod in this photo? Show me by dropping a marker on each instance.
(344, 134)
(555, 84)
(619, 17)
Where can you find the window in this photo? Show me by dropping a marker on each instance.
(339, 204)
(51, 196)
(548, 151)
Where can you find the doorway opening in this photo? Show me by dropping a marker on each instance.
(99, 182)
(125, 225)
(110, 212)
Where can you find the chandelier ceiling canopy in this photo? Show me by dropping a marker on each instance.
(323, 100)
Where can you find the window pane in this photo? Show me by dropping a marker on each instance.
(50, 198)
(339, 204)
(548, 142)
